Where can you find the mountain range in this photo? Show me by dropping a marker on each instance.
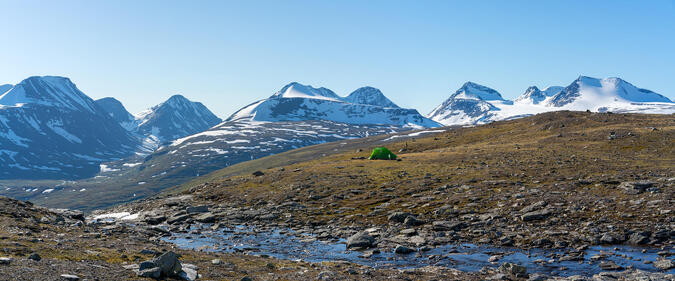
(476, 104)
(49, 129)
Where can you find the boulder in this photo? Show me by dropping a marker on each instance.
(70, 277)
(189, 272)
(447, 225)
(206, 218)
(512, 269)
(154, 273)
(610, 265)
(35, 257)
(413, 221)
(5, 260)
(197, 209)
(361, 240)
(664, 264)
(400, 249)
(399, 216)
(168, 263)
(636, 187)
(536, 215)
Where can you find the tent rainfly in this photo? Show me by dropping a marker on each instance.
(382, 153)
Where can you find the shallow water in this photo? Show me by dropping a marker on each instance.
(286, 244)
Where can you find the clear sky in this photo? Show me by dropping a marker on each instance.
(228, 54)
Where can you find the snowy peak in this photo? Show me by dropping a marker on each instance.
(472, 90)
(175, 118)
(370, 96)
(118, 112)
(535, 96)
(297, 102)
(48, 90)
(297, 90)
(590, 92)
(5, 88)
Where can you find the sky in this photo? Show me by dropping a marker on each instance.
(227, 54)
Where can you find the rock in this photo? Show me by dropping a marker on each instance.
(5, 260)
(154, 273)
(610, 265)
(258, 173)
(177, 219)
(639, 238)
(70, 277)
(498, 276)
(534, 207)
(146, 265)
(35, 257)
(206, 218)
(636, 187)
(326, 275)
(609, 238)
(537, 277)
(168, 263)
(447, 225)
(494, 258)
(189, 272)
(413, 221)
(361, 240)
(399, 216)
(536, 215)
(400, 249)
(513, 270)
(197, 209)
(664, 264)
(154, 220)
(216, 261)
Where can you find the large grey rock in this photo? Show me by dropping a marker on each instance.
(400, 249)
(154, 273)
(664, 264)
(70, 277)
(361, 240)
(536, 215)
(447, 225)
(197, 209)
(399, 216)
(4, 260)
(168, 263)
(35, 257)
(177, 219)
(513, 269)
(413, 221)
(636, 187)
(206, 218)
(189, 272)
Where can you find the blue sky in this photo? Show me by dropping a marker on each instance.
(228, 54)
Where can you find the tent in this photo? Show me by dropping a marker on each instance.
(382, 153)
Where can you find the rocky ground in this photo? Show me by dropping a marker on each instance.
(562, 180)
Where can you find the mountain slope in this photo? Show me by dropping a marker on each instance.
(475, 104)
(50, 129)
(371, 96)
(117, 111)
(296, 102)
(175, 118)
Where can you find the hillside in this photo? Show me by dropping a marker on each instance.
(550, 180)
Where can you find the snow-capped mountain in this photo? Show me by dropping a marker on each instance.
(535, 96)
(476, 104)
(118, 112)
(470, 104)
(371, 96)
(297, 102)
(5, 88)
(50, 129)
(296, 116)
(175, 118)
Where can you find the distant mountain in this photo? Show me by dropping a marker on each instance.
(117, 111)
(175, 118)
(476, 104)
(297, 102)
(470, 104)
(5, 88)
(535, 96)
(371, 96)
(49, 129)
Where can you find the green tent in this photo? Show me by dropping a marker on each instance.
(382, 153)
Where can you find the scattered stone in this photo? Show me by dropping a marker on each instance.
(189, 272)
(5, 260)
(70, 277)
(447, 225)
(513, 270)
(258, 173)
(664, 264)
(536, 215)
(35, 257)
(216, 261)
(206, 218)
(636, 187)
(197, 209)
(400, 249)
(399, 216)
(610, 265)
(168, 263)
(361, 240)
(413, 221)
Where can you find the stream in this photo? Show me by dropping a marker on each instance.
(290, 245)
